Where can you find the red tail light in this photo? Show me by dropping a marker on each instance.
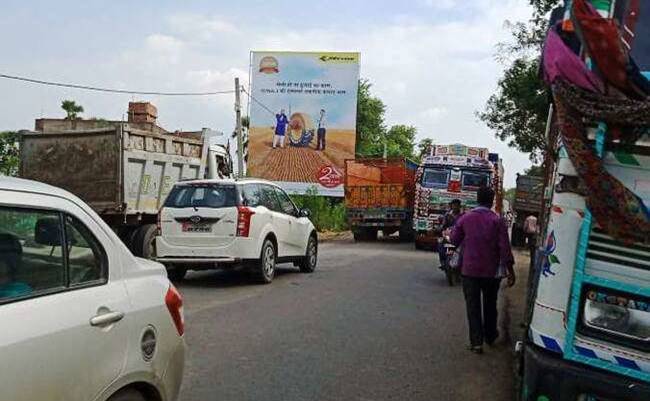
(174, 302)
(244, 220)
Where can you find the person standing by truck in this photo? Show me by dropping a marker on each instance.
(486, 252)
(530, 230)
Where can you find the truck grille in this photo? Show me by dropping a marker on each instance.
(604, 248)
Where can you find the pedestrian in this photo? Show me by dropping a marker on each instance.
(321, 131)
(449, 219)
(530, 231)
(487, 258)
(281, 122)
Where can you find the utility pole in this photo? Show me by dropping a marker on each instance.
(240, 145)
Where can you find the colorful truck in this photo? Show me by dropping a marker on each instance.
(588, 322)
(379, 196)
(452, 172)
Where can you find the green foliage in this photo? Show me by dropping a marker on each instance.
(72, 109)
(423, 148)
(370, 121)
(327, 214)
(9, 153)
(535, 170)
(372, 134)
(517, 111)
(509, 195)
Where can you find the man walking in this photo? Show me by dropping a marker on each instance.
(321, 131)
(486, 258)
(281, 122)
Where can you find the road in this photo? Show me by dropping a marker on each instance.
(375, 321)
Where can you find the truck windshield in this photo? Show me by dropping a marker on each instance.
(202, 195)
(435, 178)
(474, 180)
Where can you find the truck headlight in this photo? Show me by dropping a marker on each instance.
(620, 315)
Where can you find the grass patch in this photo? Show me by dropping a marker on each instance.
(327, 213)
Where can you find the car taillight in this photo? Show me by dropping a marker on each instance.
(244, 220)
(174, 302)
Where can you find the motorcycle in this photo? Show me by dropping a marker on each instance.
(451, 263)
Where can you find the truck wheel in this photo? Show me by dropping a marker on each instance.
(358, 236)
(143, 242)
(308, 263)
(264, 268)
(406, 234)
(370, 234)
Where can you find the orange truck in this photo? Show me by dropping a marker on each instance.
(379, 195)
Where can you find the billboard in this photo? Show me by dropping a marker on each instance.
(303, 110)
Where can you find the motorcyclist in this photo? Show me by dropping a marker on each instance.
(449, 219)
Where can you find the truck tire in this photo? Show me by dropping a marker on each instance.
(143, 242)
(264, 267)
(358, 235)
(406, 234)
(308, 263)
(370, 233)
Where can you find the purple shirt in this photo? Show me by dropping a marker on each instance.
(484, 237)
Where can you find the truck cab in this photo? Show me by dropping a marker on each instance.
(449, 172)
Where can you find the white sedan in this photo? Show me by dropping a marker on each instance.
(82, 318)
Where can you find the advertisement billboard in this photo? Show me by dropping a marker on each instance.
(303, 111)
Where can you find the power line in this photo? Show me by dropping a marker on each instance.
(109, 90)
(262, 105)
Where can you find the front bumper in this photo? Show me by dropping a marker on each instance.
(547, 374)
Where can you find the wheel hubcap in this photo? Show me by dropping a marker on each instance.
(269, 260)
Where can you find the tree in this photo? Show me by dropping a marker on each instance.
(423, 148)
(517, 111)
(9, 153)
(72, 109)
(534, 170)
(370, 121)
(400, 141)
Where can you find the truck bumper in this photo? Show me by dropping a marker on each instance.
(546, 374)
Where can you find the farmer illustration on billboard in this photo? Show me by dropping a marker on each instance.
(281, 122)
(320, 132)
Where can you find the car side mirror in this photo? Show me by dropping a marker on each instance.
(304, 213)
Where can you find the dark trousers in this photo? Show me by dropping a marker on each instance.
(481, 301)
(320, 139)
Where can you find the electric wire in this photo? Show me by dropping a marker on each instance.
(262, 105)
(110, 90)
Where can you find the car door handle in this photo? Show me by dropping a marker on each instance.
(104, 319)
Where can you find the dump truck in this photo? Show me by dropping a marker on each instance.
(124, 173)
(528, 201)
(379, 197)
(451, 172)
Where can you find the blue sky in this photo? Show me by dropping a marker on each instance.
(430, 61)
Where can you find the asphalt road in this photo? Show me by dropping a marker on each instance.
(375, 321)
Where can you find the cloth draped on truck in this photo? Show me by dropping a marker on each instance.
(617, 97)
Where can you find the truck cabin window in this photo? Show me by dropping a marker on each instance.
(475, 180)
(435, 178)
(205, 195)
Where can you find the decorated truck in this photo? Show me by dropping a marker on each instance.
(451, 172)
(588, 321)
(528, 201)
(379, 197)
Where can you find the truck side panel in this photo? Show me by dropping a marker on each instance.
(85, 163)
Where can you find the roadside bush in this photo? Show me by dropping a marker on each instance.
(327, 213)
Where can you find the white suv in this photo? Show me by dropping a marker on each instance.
(219, 223)
(81, 317)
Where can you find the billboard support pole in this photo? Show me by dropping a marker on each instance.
(240, 152)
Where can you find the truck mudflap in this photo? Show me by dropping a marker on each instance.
(549, 377)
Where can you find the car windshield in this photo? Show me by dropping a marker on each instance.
(202, 195)
(435, 177)
(475, 180)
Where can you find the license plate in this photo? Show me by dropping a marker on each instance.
(197, 228)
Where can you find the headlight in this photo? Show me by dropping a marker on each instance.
(617, 315)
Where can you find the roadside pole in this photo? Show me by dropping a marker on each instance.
(240, 151)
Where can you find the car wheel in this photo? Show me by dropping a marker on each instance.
(127, 395)
(265, 269)
(308, 263)
(176, 273)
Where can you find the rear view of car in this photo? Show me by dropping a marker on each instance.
(207, 224)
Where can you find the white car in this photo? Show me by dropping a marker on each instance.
(218, 223)
(81, 317)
